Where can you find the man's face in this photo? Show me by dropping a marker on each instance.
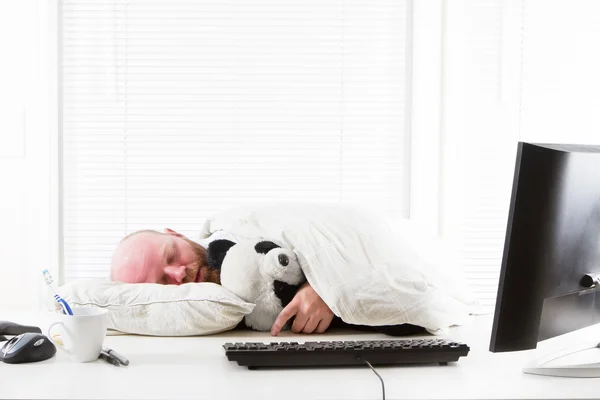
(153, 257)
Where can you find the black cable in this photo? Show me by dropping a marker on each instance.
(379, 376)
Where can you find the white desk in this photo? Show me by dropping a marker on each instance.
(196, 368)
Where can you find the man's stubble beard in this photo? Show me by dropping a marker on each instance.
(210, 275)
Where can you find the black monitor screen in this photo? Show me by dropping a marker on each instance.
(552, 242)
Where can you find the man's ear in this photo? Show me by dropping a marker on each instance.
(172, 232)
(216, 251)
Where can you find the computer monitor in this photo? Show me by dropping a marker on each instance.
(551, 262)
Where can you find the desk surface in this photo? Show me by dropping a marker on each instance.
(196, 368)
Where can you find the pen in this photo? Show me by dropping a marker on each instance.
(108, 358)
(121, 359)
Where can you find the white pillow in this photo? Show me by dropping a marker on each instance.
(160, 310)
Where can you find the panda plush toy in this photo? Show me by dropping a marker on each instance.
(269, 276)
(261, 273)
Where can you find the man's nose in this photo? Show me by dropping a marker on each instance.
(176, 273)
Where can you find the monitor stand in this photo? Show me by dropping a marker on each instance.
(577, 362)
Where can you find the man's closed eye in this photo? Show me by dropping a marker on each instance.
(171, 254)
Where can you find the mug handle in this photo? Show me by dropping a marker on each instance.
(59, 345)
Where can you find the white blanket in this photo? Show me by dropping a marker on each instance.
(367, 270)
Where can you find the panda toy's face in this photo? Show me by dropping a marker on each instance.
(281, 265)
(261, 273)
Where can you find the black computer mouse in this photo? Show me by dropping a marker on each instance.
(12, 328)
(27, 347)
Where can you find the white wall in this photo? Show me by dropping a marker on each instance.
(25, 162)
(561, 71)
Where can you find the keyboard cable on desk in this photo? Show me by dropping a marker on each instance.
(379, 376)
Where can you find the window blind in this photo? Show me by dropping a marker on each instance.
(174, 110)
(480, 136)
(555, 84)
(486, 161)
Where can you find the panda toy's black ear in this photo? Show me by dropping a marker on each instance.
(265, 246)
(216, 251)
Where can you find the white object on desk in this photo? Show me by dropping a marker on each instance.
(196, 368)
(579, 368)
(82, 333)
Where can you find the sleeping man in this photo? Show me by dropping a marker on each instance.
(173, 259)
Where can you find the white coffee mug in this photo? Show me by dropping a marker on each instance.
(81, 334)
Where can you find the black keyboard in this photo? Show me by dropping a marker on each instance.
(343, 353)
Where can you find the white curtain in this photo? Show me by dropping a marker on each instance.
(173, 110)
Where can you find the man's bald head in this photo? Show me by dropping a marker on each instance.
(154, 257)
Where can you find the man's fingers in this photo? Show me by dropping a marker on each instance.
(324, 324)
(299, 322)
(311, 325)
(288, 312)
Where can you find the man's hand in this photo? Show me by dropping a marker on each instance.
(312, 314)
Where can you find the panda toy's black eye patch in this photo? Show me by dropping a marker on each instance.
(265, 246)
(283, 260)
(216, 251)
